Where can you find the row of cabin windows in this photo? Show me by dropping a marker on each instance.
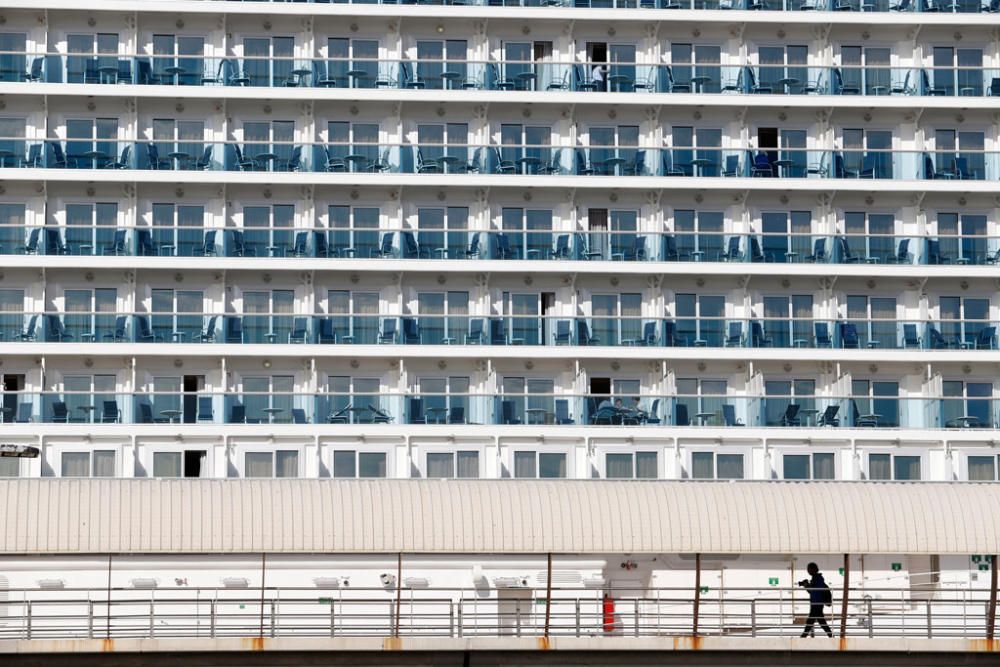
(526, 464)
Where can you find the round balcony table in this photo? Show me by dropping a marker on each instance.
(276, 250)
(800, 342)
(271, 337)
(272, 413)
(437, 414)
(109, 73)
(535, 415)
(613, 165)
(171, 415)
(968, 421)
(87, 337)
(527, 79)
(355, 161)
(792, 257)
(879, 90)
(703, 417)
(699, 165)
(873, 344)
(449, 77)
(529, 164)
(448, 162)
(302, 73)
(181, 159)
(174, 72)
(167, 249)
(787, 83)
(265, 161)
(619, 82)
(88, 411)
(178, 336)
(358, 76)
(698, 82)
(809, 416)
(698, 255)
(783, 166)
(96, 156)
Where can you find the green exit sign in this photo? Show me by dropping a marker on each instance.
(977, 559)
(896, 567)
(772, 581)
(984, 567)
(841, 571)
(704, 589)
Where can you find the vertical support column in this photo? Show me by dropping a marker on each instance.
(548, 595)
(697, 593)
(399, 592)
(844, 597)
(263, 561)
(991, 613)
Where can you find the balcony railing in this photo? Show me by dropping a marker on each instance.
(506, 330)
(929, 6)
(525, 160)
(501, 75)
(491, 244)
(119, 613)
(643, 410)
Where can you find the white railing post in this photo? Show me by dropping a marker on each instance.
(871, 627)
(578, 617)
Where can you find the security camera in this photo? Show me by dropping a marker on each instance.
(387, 579)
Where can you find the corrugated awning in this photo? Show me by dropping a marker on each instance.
(76, 516)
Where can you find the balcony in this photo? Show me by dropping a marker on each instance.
(526, 160)
(503, 75)
(547, 245)
(646, 411)
(929, 6)
(505, 330)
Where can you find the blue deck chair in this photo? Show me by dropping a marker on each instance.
(910, 337)
(207, 335)
(205, 412)
(986, 339)
(821, 331)
(829, 416)
(819, 251)
(757, 336)
(583, 336)
(849, 338)
(234, 329)
(30, 331)
(562, 411)
(119, 335)
(110, 414)
(300, 330)
(476, 331)
(562, 334)
(937, 341)
(735, 336)
(411, 331)
(729, 415)
(791, 416)
(388, 332)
